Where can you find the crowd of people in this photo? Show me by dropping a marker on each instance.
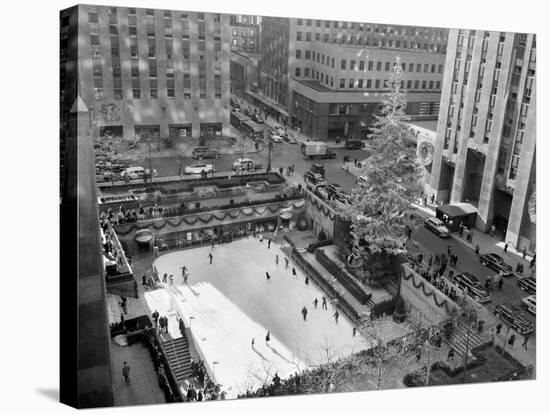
(112, 250)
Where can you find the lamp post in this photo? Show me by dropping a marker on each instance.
(190, 319)
(269, 146)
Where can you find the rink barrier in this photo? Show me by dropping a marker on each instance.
(325, 286)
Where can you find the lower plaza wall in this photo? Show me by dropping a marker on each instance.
(422, 299)
(321, 215)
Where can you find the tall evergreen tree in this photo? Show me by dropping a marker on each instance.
(380, 224)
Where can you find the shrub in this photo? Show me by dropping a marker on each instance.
(386, 307)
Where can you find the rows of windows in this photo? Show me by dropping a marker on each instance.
(366, 65)
(152, 54)
(358, 39)
(352, 83)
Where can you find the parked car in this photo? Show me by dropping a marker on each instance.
(334, 189)
(257, 118)
(512, 316)
(199, 168)
(528, 284)
(471, 286)
(200, 153)
(317, 169)
(276, 138)
(437, 226)
(495, 262)
(354, 144)
(314, 181)
(530, 303)
(105, 175)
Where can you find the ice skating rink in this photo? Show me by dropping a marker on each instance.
(230, 302)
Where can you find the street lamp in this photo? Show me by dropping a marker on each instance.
(190, 319)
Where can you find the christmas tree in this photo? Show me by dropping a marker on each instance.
(379, 215)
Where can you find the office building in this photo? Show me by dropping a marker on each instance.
(485, 147)
(150, 73)
(327, 77)
(245, 33)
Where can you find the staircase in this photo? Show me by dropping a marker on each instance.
(179, 358)
(459, 339)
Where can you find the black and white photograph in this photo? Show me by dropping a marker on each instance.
(265, 202)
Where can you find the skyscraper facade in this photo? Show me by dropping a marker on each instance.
(150, 73)
(486, 141)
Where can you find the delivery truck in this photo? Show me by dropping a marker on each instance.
(317, 150)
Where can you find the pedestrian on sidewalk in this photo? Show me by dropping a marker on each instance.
(294, 272)
(432, 198)
(253, 342)
(477, 248)
(307, 281)
(324, 303)
(268, 338)
(304, 313)
(126, 373)
(499, 328)
(500, 283)
(164, 278)
(512, 340)
(315, 302)
(354, 331)
(336, 315)
(506, 248)
(269, 243)
(277, 259)
(267, 276)
(210, 257)
(524, 252)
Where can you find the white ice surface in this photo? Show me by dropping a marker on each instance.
(231, 302)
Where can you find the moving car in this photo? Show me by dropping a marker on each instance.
(314, 181)
(199, 168)
(530, 303)
(353, 144)
(361, 181)
(200, 153)
(528, 284)
(317, 150)
(136, 173)
(471, 286)
(437, 226)
(495, 262)
(512, 316)
(276, 138)
(246, 164)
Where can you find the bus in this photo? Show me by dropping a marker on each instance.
(252, 129)
(237, 118)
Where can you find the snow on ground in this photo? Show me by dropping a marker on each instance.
(230, 302)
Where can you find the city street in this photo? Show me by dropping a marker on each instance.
(468, 261)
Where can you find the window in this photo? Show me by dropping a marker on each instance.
(351, 83)
(170, 92)
(426, 66)
(117, 93)
(360, 83)
(352, 65)
(423, 84)
(299, 22)
(343, 64)
(370, 65)
(306, 72)
(418, 67)
(369, 83)
(297, 73)
(200, 16)
(377, 84)
(308, 55)
(136, 93)
(308, 22)
(378, 66)
(317, 36)
(409, 84)
(514, 167)
(416, 84)
(342, 83)
(438, 85)
(411, 67)
(433, 68)
(308, 36)
(387, 66)
(299, 36)
(362, 65)
(298, 54)
(431, 85)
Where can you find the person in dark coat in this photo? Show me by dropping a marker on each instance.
(315, 302)
(267, 276)
(307, 281)
(304, 313)
(268, 337)
(269, 243)
(210, 257)
(294, 272)
(191, 393)
(336, 316)
(324, 303)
